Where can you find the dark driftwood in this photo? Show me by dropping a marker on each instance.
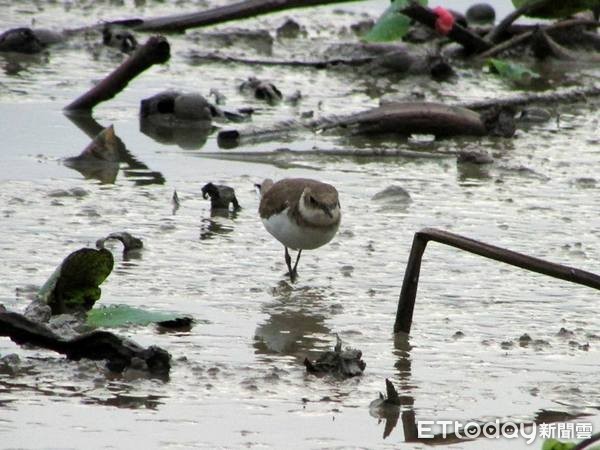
(408, 294)
(241, 10)
(155, 51)
(97, 345)
(543, 98)
(528, 32)
(415, 118)
(317, 64)
(469, 40)
(377, 119)
(403, 118)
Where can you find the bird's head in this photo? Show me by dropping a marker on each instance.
(320, 206)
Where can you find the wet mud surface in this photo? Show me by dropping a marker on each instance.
(237, 377)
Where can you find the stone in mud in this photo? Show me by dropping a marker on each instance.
(173, 106)
(28, 40)
(290, 29)
(342, 363)
(473, 157)
(392, 194)
(481, 13)
(262, 90)
(175, 117)
(119, 38)
(220, 196)
(129, 241)
(564, 333)
(177, 324)
(10, 364)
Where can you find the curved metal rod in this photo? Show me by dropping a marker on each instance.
(408, 294)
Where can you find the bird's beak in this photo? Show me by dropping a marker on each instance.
(327, 211)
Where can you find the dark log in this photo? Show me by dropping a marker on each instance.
(155, 51)
(97, 345)
(471, 42)
(241, 10)
(408, 294)
(415, 118)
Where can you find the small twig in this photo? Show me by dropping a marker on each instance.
(408, 294)
(499, 30)
(525, 36)
(506, 45)
(155, 51)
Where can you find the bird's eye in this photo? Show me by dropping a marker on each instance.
(312, 200)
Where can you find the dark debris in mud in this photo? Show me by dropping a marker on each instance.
(129, 241)
(221, 197)
(119, 353)
(342, 363)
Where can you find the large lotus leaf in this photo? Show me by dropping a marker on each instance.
(392, 24)
(558, 9)
(74, 284)
(120, 315)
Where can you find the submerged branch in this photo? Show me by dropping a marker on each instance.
(155, 51)
(408, 294)
(544, 98)
(241, 10)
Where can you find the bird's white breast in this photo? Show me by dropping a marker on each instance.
(290, 234)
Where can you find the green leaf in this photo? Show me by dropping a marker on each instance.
(74, 284)
(554, 444)
(392, 25)
(514, 72)
(121, 315)
(558, 9)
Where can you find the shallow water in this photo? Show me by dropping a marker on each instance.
(237, 378)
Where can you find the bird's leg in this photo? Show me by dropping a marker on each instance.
(288, 262)
(294, 271)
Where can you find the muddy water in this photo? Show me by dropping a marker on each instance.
(237, 378)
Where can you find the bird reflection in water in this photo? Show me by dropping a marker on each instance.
(295, 323)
